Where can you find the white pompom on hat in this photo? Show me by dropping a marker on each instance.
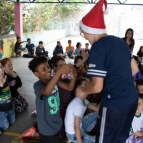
(93, 21)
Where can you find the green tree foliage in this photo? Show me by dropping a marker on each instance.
(42, 15)
(6, 17)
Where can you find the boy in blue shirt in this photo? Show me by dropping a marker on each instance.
(47, 98)
(30, 47)
(111, 69)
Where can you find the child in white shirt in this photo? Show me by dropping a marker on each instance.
(136, 132)
(74, 114)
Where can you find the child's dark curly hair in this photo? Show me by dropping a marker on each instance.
(35, 62)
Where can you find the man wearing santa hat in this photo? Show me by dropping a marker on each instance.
(111, 68)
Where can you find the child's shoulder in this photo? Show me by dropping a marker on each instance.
(37, 84)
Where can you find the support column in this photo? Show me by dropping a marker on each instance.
(18, 19)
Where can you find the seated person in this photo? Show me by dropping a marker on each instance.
(136, 130)
(86, 48)
(77, 51)
(30, 47)
(18, 47)
(75, 131)
(70, 49)
(40, 50)
(58, 49)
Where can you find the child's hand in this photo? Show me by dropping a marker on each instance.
(2, 80)
(13, 74)
(68, 68)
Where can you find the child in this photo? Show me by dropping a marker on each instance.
(139, 86)
(7, 114)
(140, 52)
(18, 47)
(74, 114)
(14, 80)
(136, 131)
(78, 49)
(30, 47)
(47, 99)
(70, 49)
(86, 48)
(81, 69)
(65, 94)
(40, 50)
(58, 49)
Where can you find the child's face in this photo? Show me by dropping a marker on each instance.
(82, 66)
(19, 39)
(41, 45)
(140, 88)
(84, 83)
(43, 71)
(60, 63)
(8, 67)
(86, 46)
(140, 106)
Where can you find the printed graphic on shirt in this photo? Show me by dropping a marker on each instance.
(5, 94)
(54, 101)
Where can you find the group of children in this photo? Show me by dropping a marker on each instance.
(61, 112)
(39, 50)
(57, 102)
(11, 100)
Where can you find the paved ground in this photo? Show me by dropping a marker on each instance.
(24, 120)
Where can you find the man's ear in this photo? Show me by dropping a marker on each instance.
(36, 74)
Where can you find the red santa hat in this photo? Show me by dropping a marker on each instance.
(93, 22)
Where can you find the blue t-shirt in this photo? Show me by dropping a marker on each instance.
(48, 115)
(30, 47)
(110, 59)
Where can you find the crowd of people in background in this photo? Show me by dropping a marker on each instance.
(68, 115)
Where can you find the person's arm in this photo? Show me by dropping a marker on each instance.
(138, 134)
(94, 87)
(62, 50)
(17, 78)
(69, 86)
(22, 42)
(66, 49)
(93, 107)
(134, 67)
(51, 84)
(77, 121)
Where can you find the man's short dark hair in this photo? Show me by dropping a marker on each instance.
(35, 62)
(139, 82)
(28, 39)
(40, 42)
(69, 41)
(86, 43)
(58, 42)
(18, 37)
